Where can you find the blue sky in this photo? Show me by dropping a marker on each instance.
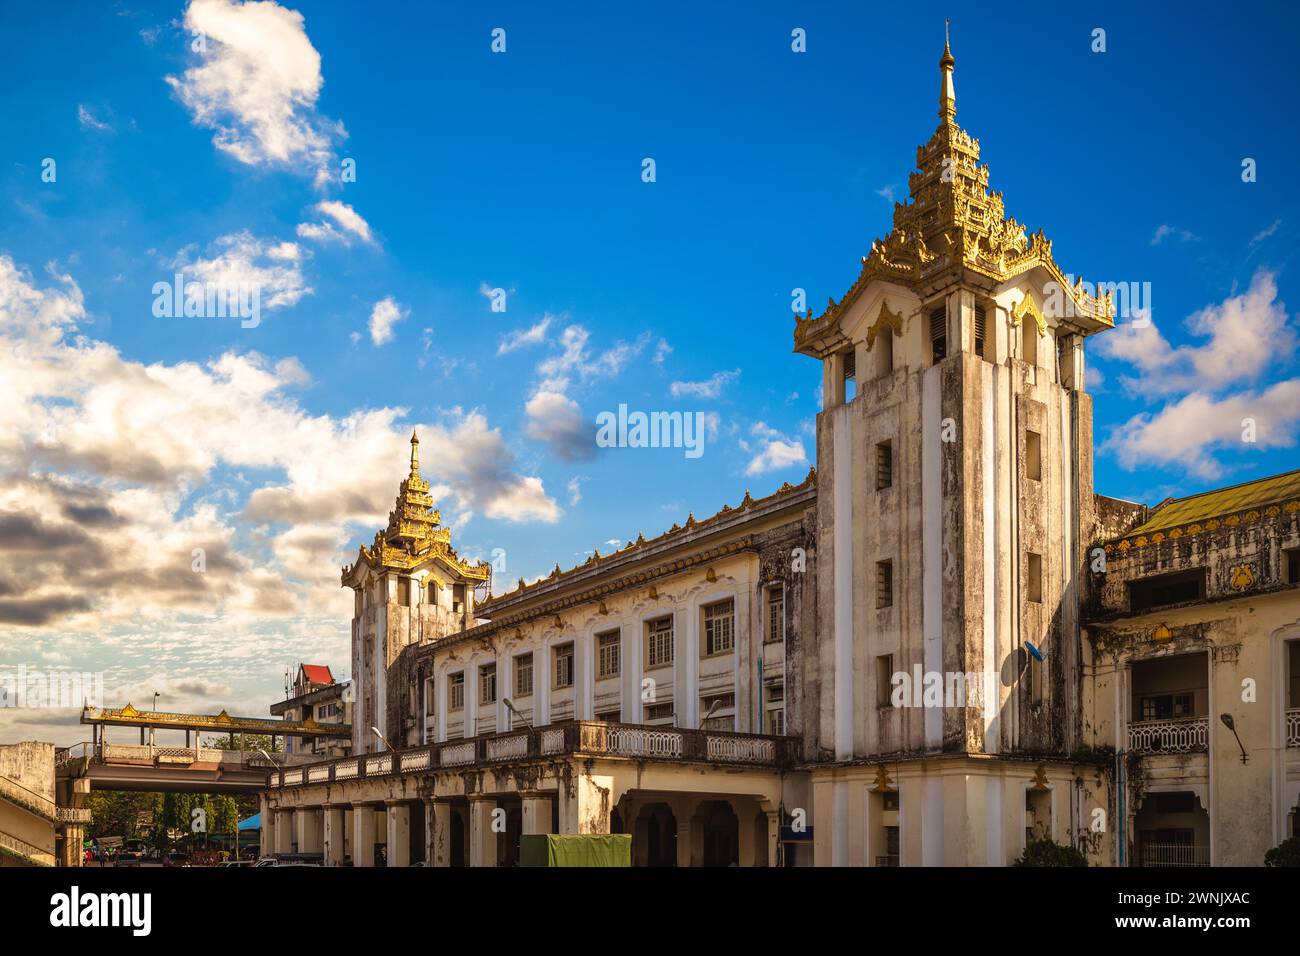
(278, 448)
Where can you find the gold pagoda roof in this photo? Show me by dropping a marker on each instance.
(414, 533)
(1265, 497)
(952, 223)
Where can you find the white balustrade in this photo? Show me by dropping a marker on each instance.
(456, 755)
(506, 748)
(1181, 736)
(741, 749)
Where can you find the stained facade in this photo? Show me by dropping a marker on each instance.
(941, 645)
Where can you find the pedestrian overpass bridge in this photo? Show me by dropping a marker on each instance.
(193, 768)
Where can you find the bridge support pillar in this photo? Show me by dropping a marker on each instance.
(363, 835)
(482, 837)
(334, 835)
(399, 834)
(309, 829)
(437, 831)
(283, 831)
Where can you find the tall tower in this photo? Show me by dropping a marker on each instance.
(411, 587)
(954, 455)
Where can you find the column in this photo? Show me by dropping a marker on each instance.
(283, 831)
(437, 823)
(268, 828)
(482, 837)
(745, 843)
(536, 812)
(335, 817)
(773, 835)
(399, 834)
(309, 830)
(585, 805)
(363, 835)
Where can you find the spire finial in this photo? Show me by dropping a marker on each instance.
(947, 95)
(415, 454)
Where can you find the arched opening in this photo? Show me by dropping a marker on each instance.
(721, 833)
(654, 836)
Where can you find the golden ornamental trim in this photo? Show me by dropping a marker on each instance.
(886, 321)
(1027, 306)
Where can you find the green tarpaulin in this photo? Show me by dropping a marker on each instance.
(565, 849)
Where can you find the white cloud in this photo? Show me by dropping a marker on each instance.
(347, 223)
(521, 338)
(557, 420)
(257, 85)
(88, 121)
(385, 314)
(662, 351)
(887, 193)
(240, 260)
(710, 388)
(1246, 334)
(574, 488)
(776, 451)
(1265, 233)
(1165, 231)
(576, 359)
(1187, 432)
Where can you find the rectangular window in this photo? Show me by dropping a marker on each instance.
(718, 712)
(659, 714)
(776, 614)
(939, 334)
(719, 628)
(1029, 339)
(884, 680)
(610, 716)
(487, 684)
(884, 353)
(979, 330)
(1293, 566)
(429, 710)
(564, 665)
(850, 375)
(659, 642)
(776, 722)
(456, 691)
(884, 465)
(431, 592)
(404, 592)
(1034, 577)
(607, 654)
(1033, 455)
(1163, 589)
(524, 675)
(457, 598)
(1168, 706)
(884, 583)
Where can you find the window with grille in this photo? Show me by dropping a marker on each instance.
(884, 465)
(610, 716)
(456, 691)
(659, 713)
(718, 712)
(607, 654)
(776, 722)
(564, 665)
(884, 583)
(979, 330)
(775, 614)
(524, 675)
(885, 680)
(659, 642)
(939, 334)
(487, 684)
(774, 692)
(718, 628)
(1168, 706)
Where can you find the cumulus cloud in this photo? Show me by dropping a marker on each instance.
(343, 224)
(775, 451)
(385, 314)
(1245, 334)
(242, 261)
(256, 84)
(557, 420)
(710, 388)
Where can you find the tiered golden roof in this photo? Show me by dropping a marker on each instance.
(953, 223)
(414, 533)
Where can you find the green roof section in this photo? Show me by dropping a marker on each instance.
(1222, 501)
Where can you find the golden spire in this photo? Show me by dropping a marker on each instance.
(947, 95)
(415, 454)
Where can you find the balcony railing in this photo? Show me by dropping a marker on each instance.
(1182, 736)
(580, 738)
(1293, 727)
(1174, 854)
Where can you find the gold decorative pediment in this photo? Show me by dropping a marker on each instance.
(885, 321)
(1028, 306)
